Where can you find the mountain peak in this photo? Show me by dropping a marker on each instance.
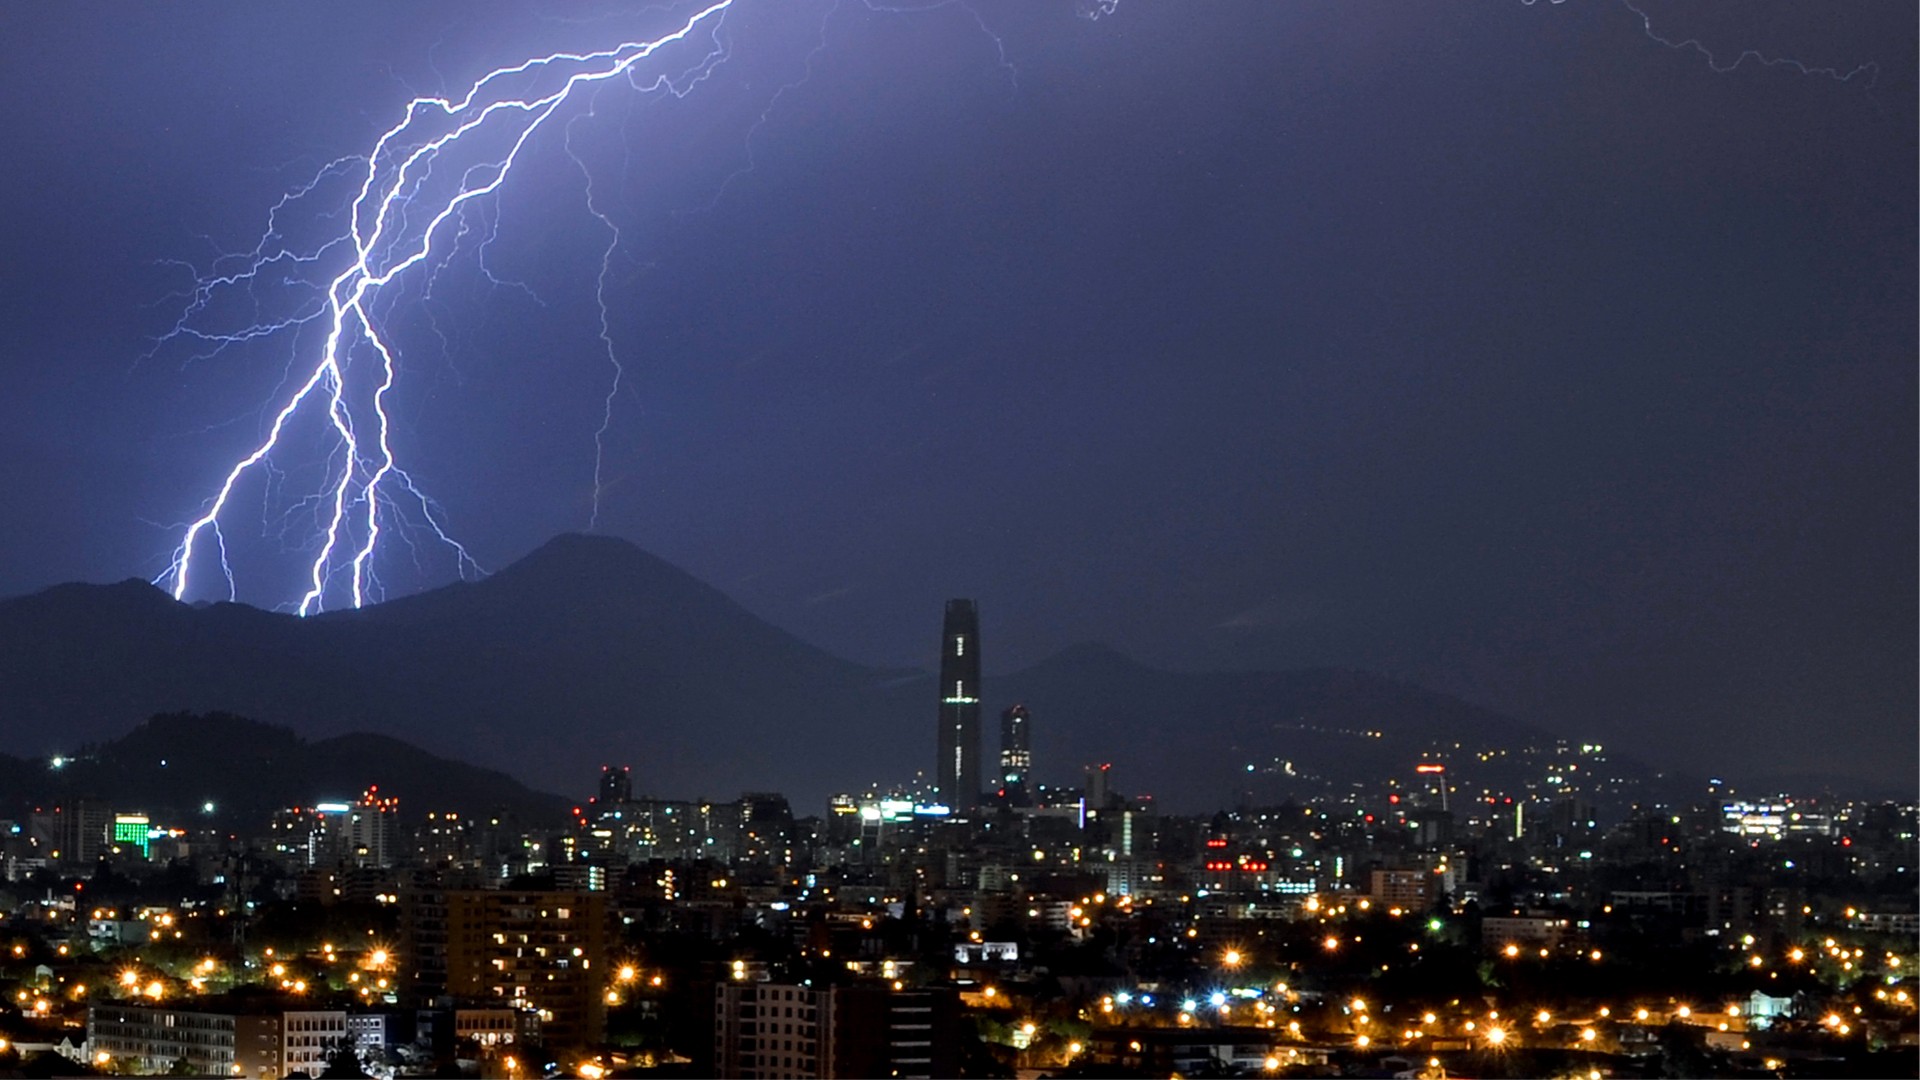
(599, 559)
(575, 545)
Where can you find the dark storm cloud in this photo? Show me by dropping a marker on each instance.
(1497, 347)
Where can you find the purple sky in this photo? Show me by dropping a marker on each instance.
(1500, 347)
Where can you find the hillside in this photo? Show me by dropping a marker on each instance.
(590, 651)
(173, 766)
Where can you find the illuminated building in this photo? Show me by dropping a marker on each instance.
(957, 771)
(79, 831)
(542, 953)
(132, 831)
(370, 829)
(219, 1037)
(766, 828)
(1016, 751)
(309, 1038)
(865, 1029)
(843, 819)
(1772, 820)
(1407, 888)
(312, 836)
(647, 828)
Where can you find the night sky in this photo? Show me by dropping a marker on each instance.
(1497, 347)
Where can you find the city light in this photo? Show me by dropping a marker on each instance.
(1322, 943)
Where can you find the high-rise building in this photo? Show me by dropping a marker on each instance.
(958, 771)
(543, 953)
(616, 785)
(79, 831)
(1016, 752)
(1099, 790)
(766, 828)
(371, 827)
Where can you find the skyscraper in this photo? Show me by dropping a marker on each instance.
(616, 785)
(370, 829)
(958, 771)
(1016, 754)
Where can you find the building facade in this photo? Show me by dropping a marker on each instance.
(776, 1031)
(242, 1040)
(957, 772)
(1016, 752)
(543, 953)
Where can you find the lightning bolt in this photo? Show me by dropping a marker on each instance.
(1694, 45)
(1715, 64)
(399, 209)
(437, 164)
(394, 207)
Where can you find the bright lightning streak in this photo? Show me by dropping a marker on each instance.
(386, 244)
(405, 190)
(606, 332)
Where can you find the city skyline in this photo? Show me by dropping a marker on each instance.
(1420, 502)
(1519, 936)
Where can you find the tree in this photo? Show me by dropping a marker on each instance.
(344, 1064)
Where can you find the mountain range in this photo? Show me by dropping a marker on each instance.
(590, 651)
(233, 772)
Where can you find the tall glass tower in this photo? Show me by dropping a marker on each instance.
(958, 771)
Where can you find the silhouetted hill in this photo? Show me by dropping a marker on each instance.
(172, 765)
(591, 651)
(586, 651)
